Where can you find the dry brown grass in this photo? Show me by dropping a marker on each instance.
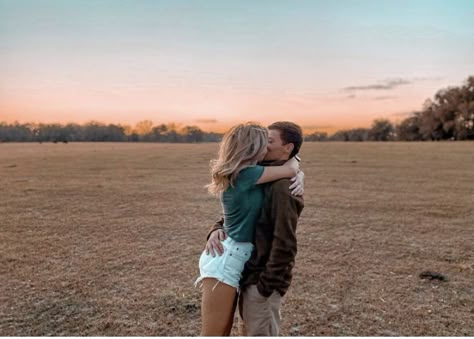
(104, 239)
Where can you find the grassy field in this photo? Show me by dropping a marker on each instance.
(104, 239)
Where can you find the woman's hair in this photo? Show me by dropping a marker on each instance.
(242, 146)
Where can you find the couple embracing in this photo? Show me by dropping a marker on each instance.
(251, 251)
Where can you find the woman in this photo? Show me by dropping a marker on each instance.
(236, 179)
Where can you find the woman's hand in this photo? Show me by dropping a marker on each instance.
(297, 186)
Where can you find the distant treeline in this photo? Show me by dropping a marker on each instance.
(448, 116)
(96, 131)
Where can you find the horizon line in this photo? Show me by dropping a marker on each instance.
(177, 126)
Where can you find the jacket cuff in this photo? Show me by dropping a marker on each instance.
(213, 230)
(264, 291)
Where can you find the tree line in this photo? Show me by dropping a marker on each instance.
(448, 116)
(96, 131)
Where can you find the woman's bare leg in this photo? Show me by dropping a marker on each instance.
(230, 323)
(217, 308)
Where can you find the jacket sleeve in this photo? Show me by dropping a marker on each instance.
(285, 210)
(219, 225)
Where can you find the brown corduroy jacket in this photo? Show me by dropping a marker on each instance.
(273, 257)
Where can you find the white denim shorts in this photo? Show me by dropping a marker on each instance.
(228, 267)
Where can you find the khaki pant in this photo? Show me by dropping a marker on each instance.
(258, 315)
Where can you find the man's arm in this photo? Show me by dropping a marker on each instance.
(285, 211)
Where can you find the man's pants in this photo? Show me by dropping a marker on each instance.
(258, 315)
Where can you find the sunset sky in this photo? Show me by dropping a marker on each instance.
(325, 65)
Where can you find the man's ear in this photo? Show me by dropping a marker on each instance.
(289, 147)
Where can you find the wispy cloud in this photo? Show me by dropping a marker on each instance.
(206, 121)
(385, 97)
(428, 79)
(389, 84)
(383, 85)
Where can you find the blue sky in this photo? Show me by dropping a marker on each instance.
(324, 64)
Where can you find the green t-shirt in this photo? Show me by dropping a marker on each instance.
(242, 204)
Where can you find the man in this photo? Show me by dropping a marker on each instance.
(267, 274)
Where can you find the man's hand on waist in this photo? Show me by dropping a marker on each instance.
(214, 243)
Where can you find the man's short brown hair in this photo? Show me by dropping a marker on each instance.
(289, 133)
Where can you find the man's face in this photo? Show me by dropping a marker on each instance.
(275, 149)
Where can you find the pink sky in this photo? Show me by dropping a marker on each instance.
(213, 108)
(325, 65)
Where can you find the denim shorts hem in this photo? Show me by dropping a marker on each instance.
(220, 279)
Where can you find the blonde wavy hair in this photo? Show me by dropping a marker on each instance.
(242, 146)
